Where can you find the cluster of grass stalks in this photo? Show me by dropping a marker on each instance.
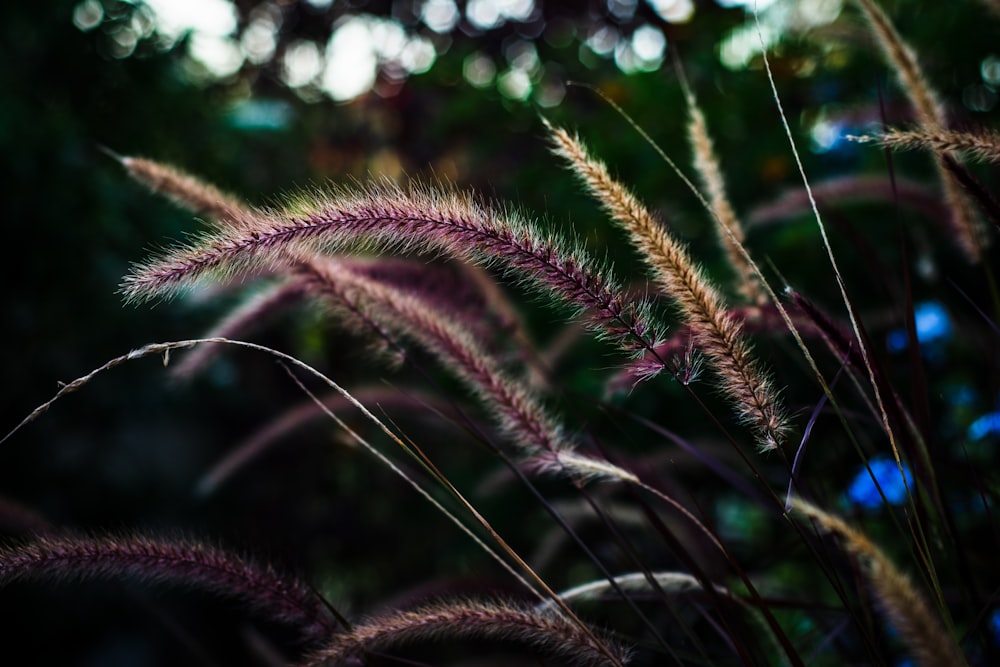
(691, 509)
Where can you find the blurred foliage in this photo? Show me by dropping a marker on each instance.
(129, 449)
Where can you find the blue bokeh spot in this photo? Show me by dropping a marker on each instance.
(265, 115)
(960, 396)
(863, 492)
(988, 424)
(932, 323)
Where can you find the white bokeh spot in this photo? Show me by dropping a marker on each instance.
(302, 63)
(439, 15)
(209, 17)
(351, 62)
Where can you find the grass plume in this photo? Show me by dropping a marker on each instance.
(656, 482)
(849, 189)
(982, 146)
(53, 557)
(717, 333)
(494, 620)
(385, 216)
(520, 414)
(184, 190)
(921, 630)
(730, 232)
(251, 314)
(931, 115)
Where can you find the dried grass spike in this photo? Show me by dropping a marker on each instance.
(930, 113)
(673, 583)
(715, 330)
(185, 190)
(840, 190)
(730, 230)
(920, 629)
(580, 467)
(929, 110)
(983, 146)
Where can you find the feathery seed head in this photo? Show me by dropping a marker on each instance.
(728, 227)
(715, 331)
(185, 190)
(185, 563)
(909, 612)
(566, 462)
(965, 224)
(385, 217)
(982, 145)
(494, 620)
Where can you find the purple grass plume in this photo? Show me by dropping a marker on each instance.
(185, 190)
(547, 632)
(387, 217)
(260, 441)
(845, 190)
(243, 320)
(185, 563)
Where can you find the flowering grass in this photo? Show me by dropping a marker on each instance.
(810, 498)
